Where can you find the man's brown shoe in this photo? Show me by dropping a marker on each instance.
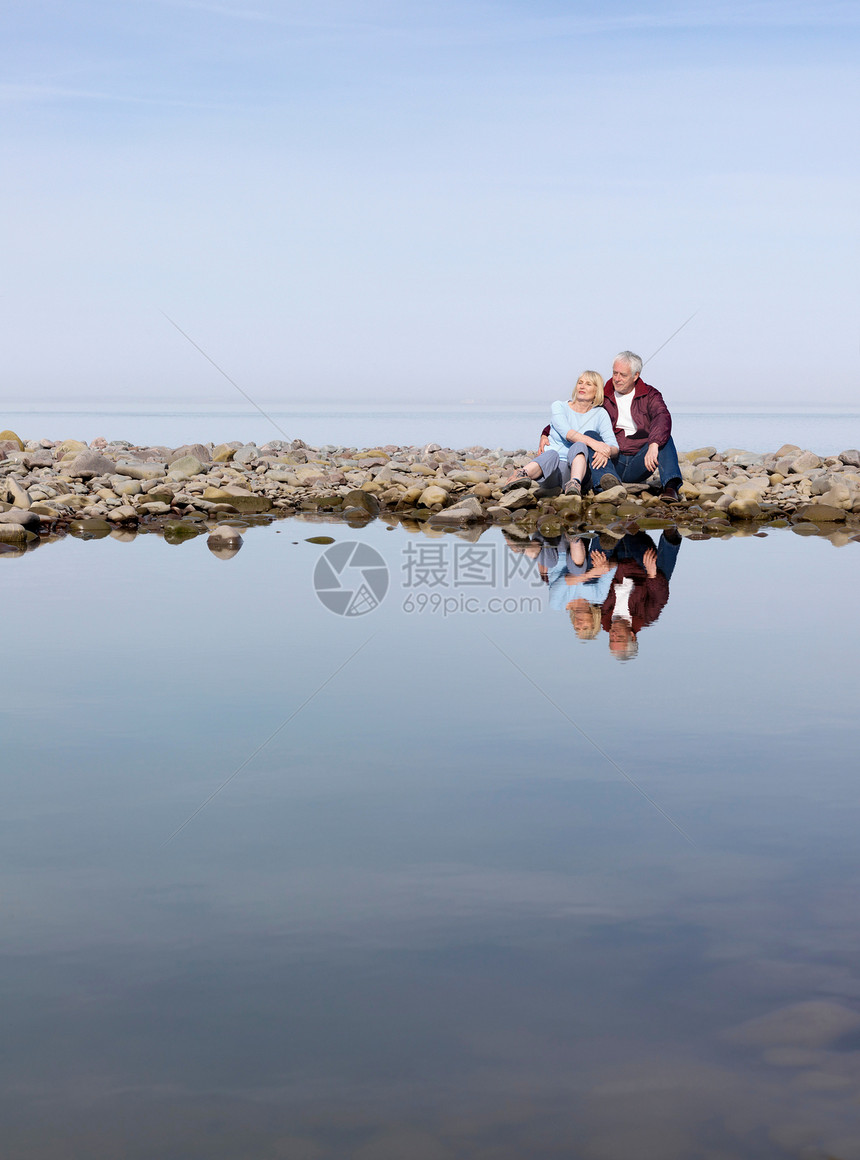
(669, 494)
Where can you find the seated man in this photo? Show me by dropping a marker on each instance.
(643, 429)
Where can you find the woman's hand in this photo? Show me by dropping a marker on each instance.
(599, 460)
(604, 449)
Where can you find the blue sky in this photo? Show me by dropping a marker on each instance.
(431, 201)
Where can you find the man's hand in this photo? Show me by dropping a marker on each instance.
(649, 559)
(544, 443)
(651, 456)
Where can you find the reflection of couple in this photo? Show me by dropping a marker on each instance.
(606, 435)
(638, 577)
(621, 589)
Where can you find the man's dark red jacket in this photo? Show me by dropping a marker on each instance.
(649, 413)
(647, 600)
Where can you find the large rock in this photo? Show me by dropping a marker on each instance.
(89, 464)
(223, 453)
(747, 459)
(68, 446)
(185, 468)
(432, 495)
(198, 450)
(804, 462)
(744, 508)
(700, 453)
(360, 500)
(41, 458)
(308, 473)
(11, 437)
(247, 454)
(136, 469)
(128, 487)
(464, 512)
(239, 498)
(518, 498)
(25, 519)
(819, 513)
(851, 458)
(473, 476)
(12, 491)
(124, 514)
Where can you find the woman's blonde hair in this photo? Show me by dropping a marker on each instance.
(597, 380)
(587, 632)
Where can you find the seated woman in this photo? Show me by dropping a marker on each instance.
(581, 440)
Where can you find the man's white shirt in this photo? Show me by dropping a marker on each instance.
(625, 418)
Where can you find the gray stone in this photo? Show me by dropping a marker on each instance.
(819, 513)
(362, 500)
(37, 459)
(128, 487)
(89, 464)
(465, 511)
(803, 462)
(185, 468)
(612, 494)
(246, 454)
(198, 450)
(15, 493)
(140, 470)
(850, 458)
(747, 459)
(124, 514)
(472, 476)
(518, 498)
(26, 519)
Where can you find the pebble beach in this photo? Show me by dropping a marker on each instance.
(50, 489)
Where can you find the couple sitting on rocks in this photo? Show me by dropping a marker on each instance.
(606, 436)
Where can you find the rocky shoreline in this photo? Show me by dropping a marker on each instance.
(51, 489)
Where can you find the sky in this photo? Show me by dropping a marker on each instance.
(428, 201)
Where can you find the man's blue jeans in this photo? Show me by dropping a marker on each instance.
(632, 469)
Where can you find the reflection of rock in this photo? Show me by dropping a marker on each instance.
(178, 531)
(13, 534)
(90, 529)
(224, 541)
(224, 550)
(815, 1023)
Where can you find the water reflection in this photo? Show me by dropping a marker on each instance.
(618, 585)
(421, 923)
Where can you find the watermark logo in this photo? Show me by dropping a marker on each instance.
(351, 578)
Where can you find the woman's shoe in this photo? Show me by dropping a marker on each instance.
(518, 479)
(573, 487)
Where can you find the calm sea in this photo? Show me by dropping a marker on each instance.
(826, 432)
(435, 876)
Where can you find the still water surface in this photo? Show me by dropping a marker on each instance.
(481, 890)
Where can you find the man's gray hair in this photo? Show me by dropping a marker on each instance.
(632, 360)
